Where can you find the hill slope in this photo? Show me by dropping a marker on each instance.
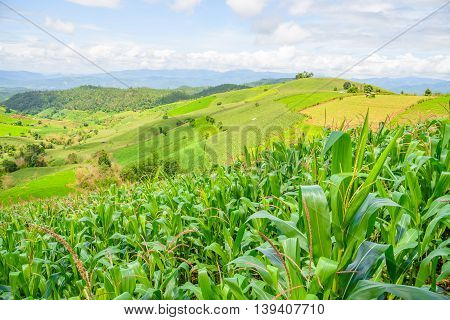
(92, 98)
(200, 132)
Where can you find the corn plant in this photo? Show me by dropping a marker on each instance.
(357, 214)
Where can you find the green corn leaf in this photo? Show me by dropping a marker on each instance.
(288, 228)
(235, 288)
(205, 285)
(369, 290)
(124, 296)
(323, 277)
(320, 218)
(426, 266)
(369, 257)
(445, 272)
(341, 149)
(442, 216)
(255, 264)
(364, 190)
(364, 134)
(338, 190)
(360, 224)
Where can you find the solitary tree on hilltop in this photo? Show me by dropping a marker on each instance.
(368, 88)
(428, 92)
(347, 85)
(304, 75)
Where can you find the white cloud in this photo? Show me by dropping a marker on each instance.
(286, 33)
(247, 8)
(374, 7)
(40, 57)
(98, 3)
(59, 25)
(91, 27)
(185, 5)
(299, 7)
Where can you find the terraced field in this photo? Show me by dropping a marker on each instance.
(353, 109)
(428, 109)
(249, 117)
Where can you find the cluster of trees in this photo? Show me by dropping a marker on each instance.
(7, 150)
(100, 172)
(94, 98)
(191, 121)
(149, 168)
(210, 120)
(29, 156)
(304, 75)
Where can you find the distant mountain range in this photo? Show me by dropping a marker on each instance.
(157, 79)
(410, 84)
(171, 79)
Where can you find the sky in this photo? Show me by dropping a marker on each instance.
(323, 36)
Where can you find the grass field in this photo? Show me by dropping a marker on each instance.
(353, 109)
(13, 130)
(53, 184)
(301, 101)
(428, 109)
(192, 106)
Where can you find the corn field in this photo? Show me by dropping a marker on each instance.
(357, 214)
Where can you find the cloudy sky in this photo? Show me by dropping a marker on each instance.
(324, 36)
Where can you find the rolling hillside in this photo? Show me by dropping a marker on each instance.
(209, 130)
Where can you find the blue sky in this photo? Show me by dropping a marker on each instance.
(272, 35)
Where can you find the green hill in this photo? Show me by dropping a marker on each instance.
(93, 98)
(106, 99)
(198, 133)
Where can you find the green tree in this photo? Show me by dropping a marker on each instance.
(368, 88)
(304, 75)
(428, 92)
(347, 85)
(352, 89)
(103, 159)
(34, 155)
(9, 166)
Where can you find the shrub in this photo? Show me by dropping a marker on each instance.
(6, 182)
(9, 166)
(72, 158)
(149, 168)
(352, 89)
(93, 176)
(33, 155)
(103, 159)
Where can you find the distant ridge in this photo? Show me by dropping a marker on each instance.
(410, 84)
(157, 79)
